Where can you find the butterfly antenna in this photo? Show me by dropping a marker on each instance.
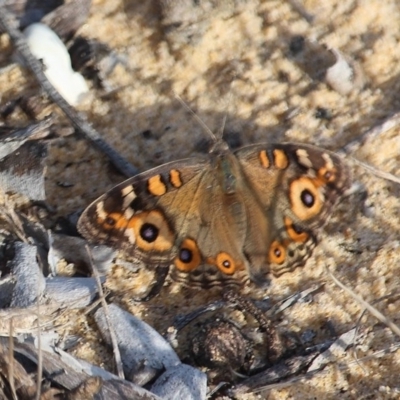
(221, 130)
(227, 106)
(198, 119)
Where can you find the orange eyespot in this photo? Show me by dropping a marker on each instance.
(277, 253)
(114, 221)
(327, 175)
(189, 257)
(294, 232)
(305, 198)
(151, 231)
(224, 262)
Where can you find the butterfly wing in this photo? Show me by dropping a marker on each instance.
(132, 216)
(223, 219)
(296, 186)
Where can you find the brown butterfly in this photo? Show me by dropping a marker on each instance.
(225, 217)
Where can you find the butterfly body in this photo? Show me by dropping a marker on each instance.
(225, 218)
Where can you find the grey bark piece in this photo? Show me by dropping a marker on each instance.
(337, 349)
(17, 137)
(25, 320)
(73, 292)
(140, 345)
(181, 382)
(7, 285)
(73, 250)
(97, 388)
(30, 281)
(23, 171)
(67, 372)
(102, 257)
(68, 18)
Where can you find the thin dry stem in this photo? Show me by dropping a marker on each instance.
(11, 363)
(376, 313)
(117, 354)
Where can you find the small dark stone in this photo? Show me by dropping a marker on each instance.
(220, 344)
(323, 113)
(297, 44)
(147, 134)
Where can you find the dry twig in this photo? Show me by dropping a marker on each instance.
(114, 341)
(376, 313)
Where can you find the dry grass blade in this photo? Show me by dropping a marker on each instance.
(342, 367)
(386, 125)
(197, 118)
(19, 385)
(376, 313)
(299, 8)
(40, 355)
(8, 213)
(24, 319)
(372, 133)
(381, 174)
(117, 354)
(11, 363)
(391, 296)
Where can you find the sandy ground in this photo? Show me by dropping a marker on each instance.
(239, 64)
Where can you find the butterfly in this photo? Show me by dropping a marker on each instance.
(223, 218)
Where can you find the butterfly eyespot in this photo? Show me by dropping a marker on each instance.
(225, 263)
(327, 175)
(110, 221)
(149, 232)
(113, 221)
(277, 253)
(305, 198)
(189, 257)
